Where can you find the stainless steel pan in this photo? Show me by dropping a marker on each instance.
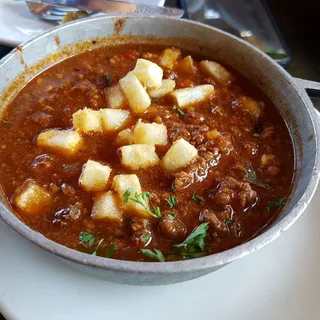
(288, 94)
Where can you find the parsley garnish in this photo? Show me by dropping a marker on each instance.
(94, 253)
(178, 110)
(154, 100)
(196, 238)
(155, 254)
(251, 177)
(196, 198)
(107, 80)
(143, 199)
(172, 201)
(146, 237)
(4, 122)
(276, 204)
(172, 215)
(88, 238)
(111, 250)
(228, 222)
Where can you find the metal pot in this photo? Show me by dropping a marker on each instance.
(288, 95)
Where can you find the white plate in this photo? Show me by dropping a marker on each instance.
(17, 24)
(279, 282)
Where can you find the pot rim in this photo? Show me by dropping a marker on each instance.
(172, 267)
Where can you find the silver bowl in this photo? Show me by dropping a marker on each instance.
(288, 95)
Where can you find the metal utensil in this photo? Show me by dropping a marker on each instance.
(44, 9)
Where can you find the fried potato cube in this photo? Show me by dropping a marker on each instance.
(167, 86)
(94, 176)
(138, 156)
(106, 206)
(250, 105)
(115, 97)
(186, 65)
(31, 198)
(137, 96)
(125, 137)
(66, 142)
(217, 71)
(149, 73)
(179, 155)
(188, 96)
(169, 57)
(113, 119)
(124, 182)
(150, 133)
(87, 120)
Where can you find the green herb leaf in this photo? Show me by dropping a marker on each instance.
(196, 238)
(111, 250)
(251, 177)
(192, 255)
(178, 110)
(173, 188)
(86, 237)
(127, 194)
(172, 216)
(146, 237)
(154, 100)
(155, 254)
(276, 204)
(107, 80)
(228, 222)
(196, 198)
(97, 247)
(172, 201)
(4, 122)
(144, 199)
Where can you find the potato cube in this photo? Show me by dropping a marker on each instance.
(31, 198)
(253, 107)
(150, 133)
(115, 97)
(186, 65)
(136, 94)
(87, 120)
(125, 137)
(179, 155)
(123, 182)
(66, 142)
(113, 119)
(149, 73)
(189, 96)
(138, 156)
(106, 206)
(169, 57)
(217, 71)
(167, 86)
(94, 176)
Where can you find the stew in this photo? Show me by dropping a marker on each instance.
(144, 153)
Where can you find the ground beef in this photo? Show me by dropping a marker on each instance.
(42, 118)
(172, 228)
(215, 223)
(230, 189)
(140, 227)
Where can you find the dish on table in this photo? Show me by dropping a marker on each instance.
(144, 153)
(135, 199)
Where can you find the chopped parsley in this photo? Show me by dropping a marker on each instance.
(94, 253)
(178, 110)
(107, 80)
(276, 204)
(251, 177)
(228, 222)
(143, 199)
(172, 201)
(146, 237)
(155, 254)
(111, 250)
(154, 100)
(173, 188)
(196, 238)
(172, 215)
(196, 198)
(86, 239)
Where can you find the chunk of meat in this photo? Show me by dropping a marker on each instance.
(43, 163)
(173, 228)
(217, 224)
(73, 212)
(230, 189)
(140, 227)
